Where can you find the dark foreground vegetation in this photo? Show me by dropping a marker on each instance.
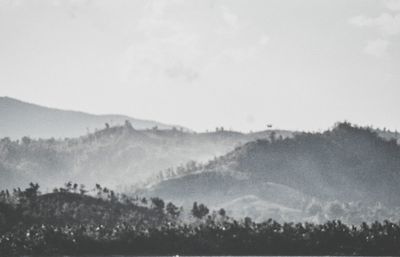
(72, 220)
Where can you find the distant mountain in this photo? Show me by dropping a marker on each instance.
(18, 119)
(118, 155)
(345, 164)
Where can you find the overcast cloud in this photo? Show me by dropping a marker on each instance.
(239, 64)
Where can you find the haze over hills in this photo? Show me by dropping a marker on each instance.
(18, 119)
(119, 155)
(273, 173)
(296, 176)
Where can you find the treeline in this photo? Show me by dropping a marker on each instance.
(209, 237)
(69, 221)
(73, 204)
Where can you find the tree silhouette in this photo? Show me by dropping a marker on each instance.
(172, 210)
(157, 203)
(199, 211)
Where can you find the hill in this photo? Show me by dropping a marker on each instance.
(18, 119)
(67, 206)
(119, 155)
(346, 164)
(68, 222)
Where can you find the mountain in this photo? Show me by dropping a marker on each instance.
(18, 119)
(347, 164)
(113, 156)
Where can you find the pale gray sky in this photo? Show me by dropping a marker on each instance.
(239, 64)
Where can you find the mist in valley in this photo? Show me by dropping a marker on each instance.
(278, 174)
(212, 127)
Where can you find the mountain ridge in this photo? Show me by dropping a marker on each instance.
(19, 118)
(114, 156)
(345, 164)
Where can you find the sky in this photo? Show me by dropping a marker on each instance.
(301, 65)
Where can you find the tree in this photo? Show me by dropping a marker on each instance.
(172, 210)
(99, 190)
(113, 197)
(32, 191)
(157, 203)
(128, 125)
(26, 141)
(28, 196)
(68, 186)
(248, 222)
(82, 190)
(222, 212)
(199, 211)
(75, 187)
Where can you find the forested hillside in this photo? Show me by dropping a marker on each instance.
(68, 221)
(113, 156)
(297, 177)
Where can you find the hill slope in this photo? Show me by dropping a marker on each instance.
(347, 164)
(67, 208)
(18, 119)
(119, 155)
